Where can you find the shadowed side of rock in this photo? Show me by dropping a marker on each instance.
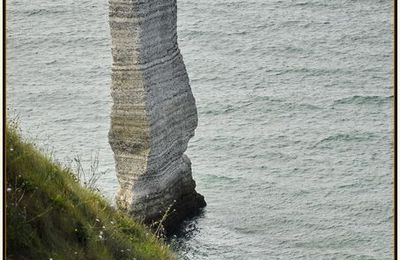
(154, 113)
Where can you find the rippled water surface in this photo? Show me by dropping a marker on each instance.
(293, 148)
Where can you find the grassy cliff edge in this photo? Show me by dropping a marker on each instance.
(51, 216)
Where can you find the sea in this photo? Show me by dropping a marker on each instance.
(294, 148)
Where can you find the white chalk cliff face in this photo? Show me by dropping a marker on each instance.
(154, 113)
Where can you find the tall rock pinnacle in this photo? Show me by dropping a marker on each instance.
(154, 113)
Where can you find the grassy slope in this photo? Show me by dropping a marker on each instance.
(51, 216)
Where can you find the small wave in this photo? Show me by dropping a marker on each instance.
(51, 62)
(347, 137)
(348, 186)
(224, 179)
(302, 4)
(237, 33)
(36, 12)
(267, 98)
(43, 12)
(309, 106)
(306, 71)
(293, 49)
(289, 23)
(363, 100)
(284, 104)
(310, 4)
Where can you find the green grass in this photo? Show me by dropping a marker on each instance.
(51, 216)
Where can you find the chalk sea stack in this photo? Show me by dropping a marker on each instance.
(153, 115)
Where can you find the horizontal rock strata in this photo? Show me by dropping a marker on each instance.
(154, 113)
